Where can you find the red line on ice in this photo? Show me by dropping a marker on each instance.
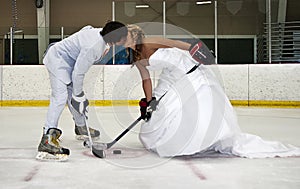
(196, 171)
(32, 173)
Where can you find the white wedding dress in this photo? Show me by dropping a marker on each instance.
(195, 116)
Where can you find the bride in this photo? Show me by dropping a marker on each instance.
(194, 114)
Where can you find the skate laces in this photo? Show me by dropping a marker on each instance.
(83, 130)
(54, 136)
(55, 141)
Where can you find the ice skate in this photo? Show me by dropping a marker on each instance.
(49, 148)
(82, 134)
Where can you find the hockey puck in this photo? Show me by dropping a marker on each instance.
(86, 144)
(117, 152)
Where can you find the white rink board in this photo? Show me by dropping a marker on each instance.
(123, 82)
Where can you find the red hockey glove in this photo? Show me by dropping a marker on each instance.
(201, 53)
(146, 108)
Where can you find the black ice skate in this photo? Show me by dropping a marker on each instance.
(82, 134)
(49, 148)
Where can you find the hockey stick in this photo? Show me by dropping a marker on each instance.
(88, 131)
(97, 151)
(98, 148)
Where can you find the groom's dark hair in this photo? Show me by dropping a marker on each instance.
(114, 31)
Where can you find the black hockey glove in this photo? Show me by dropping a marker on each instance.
(146, 108)
(80, 103)
(201, 53)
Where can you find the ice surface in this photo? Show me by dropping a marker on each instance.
(136, 168)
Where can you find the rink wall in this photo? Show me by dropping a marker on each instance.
(106, 85)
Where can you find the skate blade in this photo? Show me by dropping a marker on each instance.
(45, 156)
(85, 137)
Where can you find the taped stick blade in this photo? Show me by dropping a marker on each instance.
(99, 153)
(98, 150)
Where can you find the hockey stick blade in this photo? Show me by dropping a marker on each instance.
(98, 150)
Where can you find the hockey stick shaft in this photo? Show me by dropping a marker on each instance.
(109, 145)
(123, 133)
(88, 129)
